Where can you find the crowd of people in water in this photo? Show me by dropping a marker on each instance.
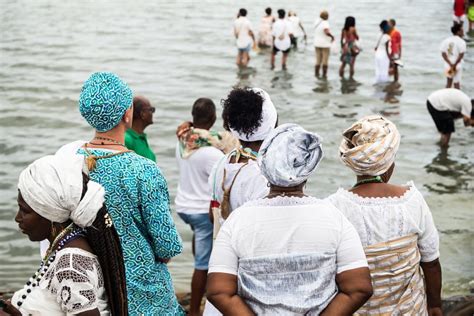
(261, 245)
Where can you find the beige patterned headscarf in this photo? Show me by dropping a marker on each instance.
(369, 146)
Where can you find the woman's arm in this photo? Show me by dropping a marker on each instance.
(386, 49)
(355, 288)
(222, 293)
(432, 272)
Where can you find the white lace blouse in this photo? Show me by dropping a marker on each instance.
(383, 219)
(72, 284)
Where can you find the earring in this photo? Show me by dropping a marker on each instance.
(53, 230)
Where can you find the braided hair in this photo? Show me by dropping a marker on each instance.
(105, 243)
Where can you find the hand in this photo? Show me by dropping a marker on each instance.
(435, 311)
(183, 128)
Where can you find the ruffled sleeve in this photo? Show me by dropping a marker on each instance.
(76, 280)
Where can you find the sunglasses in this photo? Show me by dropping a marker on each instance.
(151, 109)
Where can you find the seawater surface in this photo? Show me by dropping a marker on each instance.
(176, 51)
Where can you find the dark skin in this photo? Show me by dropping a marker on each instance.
(145, 118)
(38, 228)
(431, 270)
(354, 286)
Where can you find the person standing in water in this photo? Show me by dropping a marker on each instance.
(395, 47)
(297, 29)
(244, 38)
(322, 42)
(135, 137)
(265, 38)
(281, 31)
(349, 38)
(382, 59)
(453, 49)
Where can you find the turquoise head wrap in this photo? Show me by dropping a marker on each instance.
(104, 99)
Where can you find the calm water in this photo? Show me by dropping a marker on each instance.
(174, 52)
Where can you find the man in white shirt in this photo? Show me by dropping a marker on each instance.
(244, 38)
(453, 49)
(297, 29)
(281, 31)
(445, 106)
(196, 158)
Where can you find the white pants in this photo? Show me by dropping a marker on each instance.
(210, 310)
(458, 75)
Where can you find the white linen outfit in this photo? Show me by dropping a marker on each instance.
(242, 27)
(453, 46)
(281, 30)
(382, 61)
(303, 242)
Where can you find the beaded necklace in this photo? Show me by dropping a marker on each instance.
(72, 232)
(248, 153)
(377, 179)
(110, 140)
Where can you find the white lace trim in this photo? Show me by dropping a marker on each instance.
(283, 201)
(380, 200)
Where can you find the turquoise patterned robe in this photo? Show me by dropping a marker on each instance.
(138, 201)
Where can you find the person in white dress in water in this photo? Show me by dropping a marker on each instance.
(82, 272)
(382, 54)
(245, 38)
(394, 223)
(250, 115)
(265, 38)
(281, 31)
(452, 50)
(297, 29)
(288, 253)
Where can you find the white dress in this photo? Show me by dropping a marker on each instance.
(382, 62)
(382, 219)
(302, 242)
(72, 284)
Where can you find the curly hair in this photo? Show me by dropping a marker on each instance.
(242, 110)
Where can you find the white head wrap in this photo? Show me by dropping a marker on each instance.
(369, 146)
(52, 186)
(289, 155)
(268, 122)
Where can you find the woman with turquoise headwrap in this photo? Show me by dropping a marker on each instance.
(136, 196)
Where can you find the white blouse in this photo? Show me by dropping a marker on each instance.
(282, 226)
(383, 219)
(72, 284)
(249, 185)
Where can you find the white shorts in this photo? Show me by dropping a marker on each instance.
(459, 19)
(458, 76)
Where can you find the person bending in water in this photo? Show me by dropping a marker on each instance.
(445, 106)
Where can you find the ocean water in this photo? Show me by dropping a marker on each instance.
(176, 51)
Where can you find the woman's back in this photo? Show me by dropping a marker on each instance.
(378, 218)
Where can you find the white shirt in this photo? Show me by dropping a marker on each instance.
(286, 225)
(381, 49)
(383, 219)
(295, 26)
(320, 37)
(194, 193)
(242, 27)
(453, 46)
(249, 185)
(281, 30)
(451, 99)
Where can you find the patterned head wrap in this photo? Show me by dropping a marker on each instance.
(52, 186)
(104, 99)
(267, 123)
(289, 155)
(369, 146)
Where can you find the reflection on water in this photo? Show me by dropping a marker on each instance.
(322, 86)
(244, 73)
(456, 175)
(349, 86)
(282, 79)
